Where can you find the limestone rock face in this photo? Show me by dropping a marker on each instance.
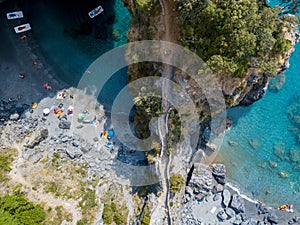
(226, 197)
(219, 173)
(238, 204)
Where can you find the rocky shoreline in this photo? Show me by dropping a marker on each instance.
(209, 199)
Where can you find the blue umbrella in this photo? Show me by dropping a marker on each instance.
(110, 133)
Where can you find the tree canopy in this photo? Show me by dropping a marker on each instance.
(17, 210)
(227, 33)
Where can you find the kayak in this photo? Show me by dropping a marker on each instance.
(96, 11)
(14, 15)
(22, 28)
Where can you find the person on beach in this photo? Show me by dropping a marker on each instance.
(22, 75)
(23, 36)
(47, 86)
(36, 63)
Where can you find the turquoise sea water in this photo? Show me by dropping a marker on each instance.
(265, 124)
(71, 41)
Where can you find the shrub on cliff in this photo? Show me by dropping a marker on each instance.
(176, 182)
(227, 34)
(16, 209)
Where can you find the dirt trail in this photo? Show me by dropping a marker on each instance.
(38, 196)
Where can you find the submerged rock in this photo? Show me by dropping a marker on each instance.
(297, 168)
(254, 144)
(284, 174)
(295, 154)
(279, 150)
(277, 82)
(273, 164)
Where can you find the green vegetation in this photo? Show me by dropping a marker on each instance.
(87, 204)
(146, 109)
(145, 4)
(146, 217)
(174, 128)
(17, 210)
(6, 158)
(227, 34)
(176, 182)
(113, 213)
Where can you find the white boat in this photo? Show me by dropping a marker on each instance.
(96, 11)
(22, 28)
(14, 15)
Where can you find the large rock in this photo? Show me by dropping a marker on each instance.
(219, 173)
(73, 153)
(222, 216)
(279, 150)
(218, 170)
(201, 179)
(238, 204)
(226, 197)
(230, 213)
(295, 154)
(272, 218)
(14, 116)
(64, 124)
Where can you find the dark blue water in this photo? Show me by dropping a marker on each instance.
(71, 41)
(257, 129)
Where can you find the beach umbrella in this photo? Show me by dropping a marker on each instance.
(110, 133)
(46, 111)
(105, 134)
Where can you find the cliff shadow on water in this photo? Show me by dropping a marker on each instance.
(70, 40)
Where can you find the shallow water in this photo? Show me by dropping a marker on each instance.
(265, 123)
(71, 41)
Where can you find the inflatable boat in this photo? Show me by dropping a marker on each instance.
(14, 15)
(22, 28)
(96, 11)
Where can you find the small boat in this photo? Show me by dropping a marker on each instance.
(14, 15)
(96, 11)
(22, 28)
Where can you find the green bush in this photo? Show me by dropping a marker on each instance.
(17, 210)
(282, 45)
(176, 182)
(119, 219)
(107, 214)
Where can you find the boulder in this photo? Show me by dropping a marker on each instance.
(284, 174)
(279, 149)
(218, 188)
(216, 197)
(219, 173)
(14, 116)
(44, 134)
(272, 218)
(222, 216)
(238, 204)
(261, 223)
(218, 170)
(36, 158)
(75, 143)
(295, 154)
(230, 213)
(226, 197)
(72, 153)
(64, 124)
(294, 220)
